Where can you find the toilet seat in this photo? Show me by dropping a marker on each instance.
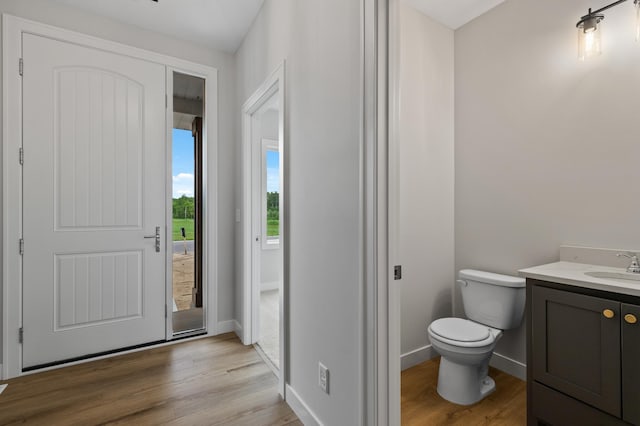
(463, 333)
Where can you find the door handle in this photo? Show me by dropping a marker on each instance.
(156, 237)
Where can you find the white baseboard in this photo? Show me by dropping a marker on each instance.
(226, 326)
(509, 366)
(301, 409)
(271, 285)
(417, 356)
(238, 330)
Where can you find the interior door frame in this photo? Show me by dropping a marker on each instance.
(393, 296)
(12, 30)
(274, 84)
(380, 307)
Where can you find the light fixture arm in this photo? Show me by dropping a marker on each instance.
(609, 6)
(597, 13)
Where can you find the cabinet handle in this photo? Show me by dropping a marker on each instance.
(608, 313)
(630, 319)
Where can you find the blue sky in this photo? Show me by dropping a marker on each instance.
(273, 164)
(183, 173)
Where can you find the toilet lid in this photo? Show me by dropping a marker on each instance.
(459, 329)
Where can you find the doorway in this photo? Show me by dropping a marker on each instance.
(265, 245)
(187, 310)
(89, 199)
(266, 226)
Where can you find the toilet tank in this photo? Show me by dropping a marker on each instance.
(492, 299)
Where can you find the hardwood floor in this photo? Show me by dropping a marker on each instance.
(421, 404)
(214, 381)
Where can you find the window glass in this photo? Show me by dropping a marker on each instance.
(272, 164)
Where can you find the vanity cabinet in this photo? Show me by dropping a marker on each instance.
(631, 363)
(583, 351)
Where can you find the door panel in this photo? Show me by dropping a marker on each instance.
(94, 188)
(98, 149)
(97, 288)
(577, 347)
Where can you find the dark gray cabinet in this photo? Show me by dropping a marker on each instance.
(631, 363)
(583, 350)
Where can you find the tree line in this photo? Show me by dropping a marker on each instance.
(185, 207)
(273, 206)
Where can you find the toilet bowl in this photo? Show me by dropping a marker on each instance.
(465, 348)
(493, 303)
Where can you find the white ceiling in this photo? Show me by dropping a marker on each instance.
(220, 24)
(454, 13)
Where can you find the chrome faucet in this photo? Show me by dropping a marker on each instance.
(634, 267)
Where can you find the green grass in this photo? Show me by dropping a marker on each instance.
(187, 224)
(273, 229)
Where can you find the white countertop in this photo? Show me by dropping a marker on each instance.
(571, 273)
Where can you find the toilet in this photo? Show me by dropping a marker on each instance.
(492, 303)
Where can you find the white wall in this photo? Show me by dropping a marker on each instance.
(62, 16)
(320, 40)
(425, 175)
(546, 146)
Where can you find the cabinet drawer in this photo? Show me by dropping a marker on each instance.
(557, 409)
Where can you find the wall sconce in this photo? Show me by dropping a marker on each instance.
(590, 30)
(636, 3)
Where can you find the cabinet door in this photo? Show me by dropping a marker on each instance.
(631, 364)
(576, 347)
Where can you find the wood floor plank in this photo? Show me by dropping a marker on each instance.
(421, 404)
(208, 381)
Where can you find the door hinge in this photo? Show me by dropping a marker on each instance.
(20, 66)
(21, 246)
(21, 335)
(21, 156)
(166, 101)
(397, 272)
(165, 311)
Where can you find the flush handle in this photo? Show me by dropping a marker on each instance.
(630, 319)
(608, 313)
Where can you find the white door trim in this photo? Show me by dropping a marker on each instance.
(274, 83)
(393, 293)
(380, 384)
(169, 204)
(12, 30)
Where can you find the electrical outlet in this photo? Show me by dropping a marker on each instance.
(323, 378)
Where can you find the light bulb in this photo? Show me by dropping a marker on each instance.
(589, 38)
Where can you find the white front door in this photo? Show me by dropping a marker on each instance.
(93, 189)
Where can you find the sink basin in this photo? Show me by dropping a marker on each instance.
(617, 276)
